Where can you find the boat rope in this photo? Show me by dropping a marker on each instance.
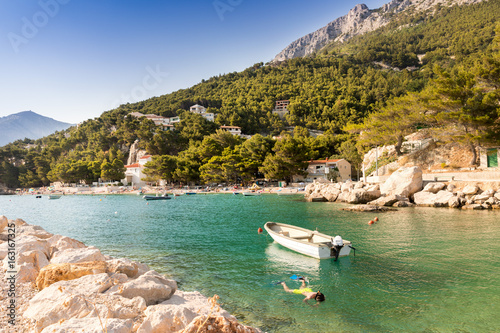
(354, 250)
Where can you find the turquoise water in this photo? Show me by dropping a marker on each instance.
(416, 270)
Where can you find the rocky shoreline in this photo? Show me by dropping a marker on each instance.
(52, 283)
(405, 188)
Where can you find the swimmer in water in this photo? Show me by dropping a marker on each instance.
(304, 290)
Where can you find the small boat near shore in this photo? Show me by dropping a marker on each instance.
(308, 242)
(54, 196)
(155, 197)
(251, 194)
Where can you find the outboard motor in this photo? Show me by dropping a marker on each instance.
(337, 245)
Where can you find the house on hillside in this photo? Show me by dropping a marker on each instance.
(197, 109)
(320, 169)
(160, 121)
(281, 108)
(134, 172)
(202, 111)
(234, 130)
(135, 114)
(489, 157)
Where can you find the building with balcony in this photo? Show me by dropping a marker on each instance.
(234, 130)
(281, 108)
(321, 168)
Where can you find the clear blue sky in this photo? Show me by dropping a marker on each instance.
(71, 60)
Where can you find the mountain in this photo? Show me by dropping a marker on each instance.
(358, 21)
(28, 124)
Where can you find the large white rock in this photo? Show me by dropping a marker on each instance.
(361, 196)
(66, 299)
(125, 266)
(25, 243)
(60, 243)
(387, 200)
(455, 202)
(176, 313)
(91, 325)
(26, 273)
(480, 198)
(37, 258)
(151, 286)
(470, 189)
(33, 230)
(440, 199)
(77, 255)
(3, 223)
(424, 198)
(434, 187)
(404, 182)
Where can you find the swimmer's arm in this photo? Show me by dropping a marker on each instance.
(308, 298)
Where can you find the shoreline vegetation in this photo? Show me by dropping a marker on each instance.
(54, 283)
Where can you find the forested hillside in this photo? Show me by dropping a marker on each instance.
(340, 85)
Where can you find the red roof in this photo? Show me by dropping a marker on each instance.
(135, 165)
(322, 161)
(230, 127)
(145, 156)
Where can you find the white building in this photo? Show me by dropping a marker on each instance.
(202, 111)
(134, 173)
(208, 116)
(321, 168)
(234, 130)
(197, 109)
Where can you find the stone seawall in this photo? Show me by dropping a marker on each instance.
(57, 284)
(405, 188)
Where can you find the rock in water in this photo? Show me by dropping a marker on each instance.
(404, 182)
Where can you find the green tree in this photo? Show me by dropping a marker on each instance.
(161, 167)
(464, 108)
(391, 123)
(290, 158)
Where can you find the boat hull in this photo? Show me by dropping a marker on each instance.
(307, 242)
(152, 197)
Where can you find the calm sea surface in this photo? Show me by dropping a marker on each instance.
(416, 270)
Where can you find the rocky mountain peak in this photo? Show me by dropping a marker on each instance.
(358, 20)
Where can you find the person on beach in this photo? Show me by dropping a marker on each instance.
(304, 290)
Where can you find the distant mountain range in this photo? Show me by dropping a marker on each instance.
(28, 124)
(358, 21)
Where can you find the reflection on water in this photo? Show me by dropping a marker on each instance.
(285, 259)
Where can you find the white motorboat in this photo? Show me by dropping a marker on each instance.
(54, 196)
(250, 194)
(157, 197)
(308, 242)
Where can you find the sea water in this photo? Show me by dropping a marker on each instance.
(415, 270)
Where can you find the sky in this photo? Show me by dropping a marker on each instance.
(72, 60)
